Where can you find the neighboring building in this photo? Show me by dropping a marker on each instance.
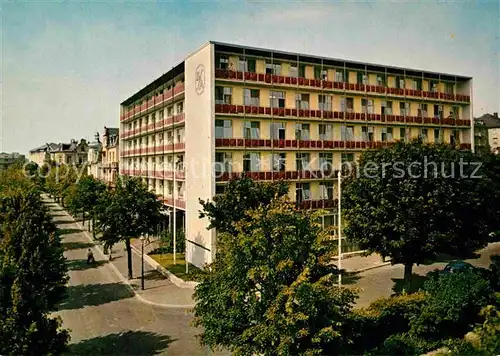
(6, 159)
(94, 157)
(110, 155)
(73, 153)
(487, 133)
(229, 109)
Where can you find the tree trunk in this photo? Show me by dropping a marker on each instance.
(93, 227)
(407, 277)
(90, 220)
(129, 257)
(83, 219)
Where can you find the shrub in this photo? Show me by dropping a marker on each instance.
(167, 242)
(495, 272)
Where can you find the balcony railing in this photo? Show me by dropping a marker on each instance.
(175, 147)
(325, 84)
(285, 175)
(179, 118)
(332, 115)
(152, 173)
(154, 101)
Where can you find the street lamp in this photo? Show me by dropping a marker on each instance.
(339, 222)
(142, 261)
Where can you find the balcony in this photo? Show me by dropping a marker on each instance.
(293, 144)
(173, 147)
(333, 115)
(325, 84)
(154, 101)
(172, 120)
(285, 175)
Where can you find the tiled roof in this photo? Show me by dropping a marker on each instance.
(490, 121)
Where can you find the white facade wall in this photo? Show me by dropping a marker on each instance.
(200, 152)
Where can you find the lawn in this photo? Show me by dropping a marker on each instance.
(179, 269)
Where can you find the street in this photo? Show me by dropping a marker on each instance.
(102, 315)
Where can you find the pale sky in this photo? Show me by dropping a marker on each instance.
(66, 66)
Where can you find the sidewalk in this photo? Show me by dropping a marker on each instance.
(362, 263)
(158, 290)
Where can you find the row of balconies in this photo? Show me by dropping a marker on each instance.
(151, 173)
(321, 114)
(153, 126)
(180, 146)
(284, 175)
(154, 101)
(294, 144)
(325, 84)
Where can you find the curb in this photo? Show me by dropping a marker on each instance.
(179, 282)
(371, 267)
(120, 276)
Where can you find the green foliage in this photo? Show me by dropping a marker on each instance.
(167, 242)
(413, 218)
(129, 210)
(32, 276)
(495, 272)
(453, 304)
(239, 196)
(272, 288)
(87, 192)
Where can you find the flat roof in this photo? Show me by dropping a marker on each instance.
(294, 56)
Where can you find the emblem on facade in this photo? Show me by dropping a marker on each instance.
(200, 79)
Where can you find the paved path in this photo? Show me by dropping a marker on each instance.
(102, 313)
(383, 281)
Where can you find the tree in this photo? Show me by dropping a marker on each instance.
(398, 204)
(272, 287)
(128, 211)
(87, 194)
(239, 196)
(32, 277)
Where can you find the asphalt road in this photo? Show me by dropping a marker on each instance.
(105, 319)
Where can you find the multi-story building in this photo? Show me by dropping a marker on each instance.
(110, 155)
(229, 109)
(487, 133)
(73, 153)
(7, 159)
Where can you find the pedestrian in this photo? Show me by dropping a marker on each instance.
(90, 257)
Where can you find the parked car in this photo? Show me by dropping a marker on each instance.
(458, 266)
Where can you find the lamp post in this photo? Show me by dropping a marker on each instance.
(339, 222)
(142, 261)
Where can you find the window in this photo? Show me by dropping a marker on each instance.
(278, 162)
(362, 78)
(339, 75)
(302, 101)
(219, 189)
(404, 109)
(320, 74)
(302, 71)
(367, 133)
(325, 102)
(180, 107)
(455, 137)
(330, 220)
(347, 133)
(180, 135)
(302, 161)
(403, 134)
(438, 138)
(302, 192)
(170, 164)
(251, 162)
(326, 190)
(347, 157)
(325, 162)
(438, 111)
(251, 130)
(293, 71)
(179, 163)
(325, 131)
(416, 84)
(381, 80)
(170, 111)
(223, 129)
(223, 162)
(277, 99)
(277, 130)
(386, 107)
(422, 110)
(160, 115)
(347, 104)
(223, 95)
(246, 65)
(302, 131)
(400, 83)
(170, 187)
(170, 137)
(367, 106)
(448, 88)
(180, 189)
(454, 112)
(433, 86)
(386, 134)
(251, 97)
(273, 68)
(423, 134)
(222, 61)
